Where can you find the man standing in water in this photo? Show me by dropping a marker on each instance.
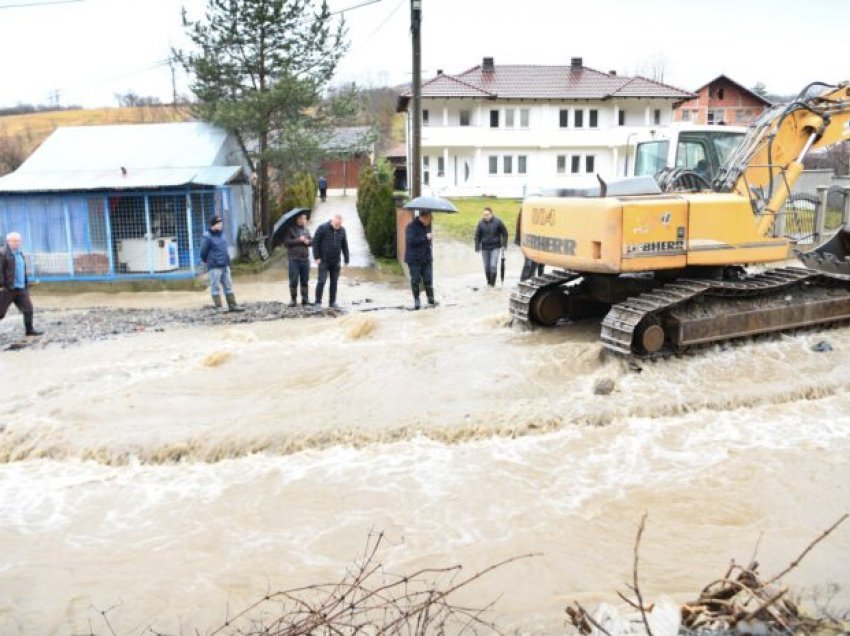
(491, 235)
(14, 285)
(419, 258)
(329, 242)
(297, 240)
(215, 256)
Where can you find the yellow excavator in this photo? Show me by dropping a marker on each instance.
(685, 265)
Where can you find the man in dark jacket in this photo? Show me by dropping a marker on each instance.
(418, 256)
(215, 256)
(328, 243)
(297, 240)
(14, 285)
(491, 235)
(323, 188)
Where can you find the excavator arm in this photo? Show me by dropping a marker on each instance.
(769, 160)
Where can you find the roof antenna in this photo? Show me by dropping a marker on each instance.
(123, 171)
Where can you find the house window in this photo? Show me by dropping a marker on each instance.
(521, 162)
(493, 164)
(508, 164)
(509, 118)
(621, 117)
(656, 116)
(426, 170)
(464, 118)
(562, 164)
(686, 114)
(523, 118)
(425, 117)
(494, 118)
(564, 117)
(441, 167)
(575, 163)
(590, 163)
(579, 118)
(716, 116)
(719, 93)
(593, 118)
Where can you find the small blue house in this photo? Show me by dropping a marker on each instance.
(110, 202)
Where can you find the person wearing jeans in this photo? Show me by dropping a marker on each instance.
(491, 236)
(215, 256)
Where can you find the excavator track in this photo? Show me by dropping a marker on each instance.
(696, 311)
(542, 295)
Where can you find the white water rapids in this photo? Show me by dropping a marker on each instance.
(181, 475)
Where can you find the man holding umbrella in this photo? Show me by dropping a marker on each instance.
(297, 239)
(418, 256)
(491, 236)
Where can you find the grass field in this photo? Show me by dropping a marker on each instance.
(462, 225)
(33, 128)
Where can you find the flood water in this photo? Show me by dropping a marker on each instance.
(177, 476)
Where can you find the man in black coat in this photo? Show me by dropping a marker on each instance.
(529, 267)
(418, 256)
(14, 284)
(491, 235)
(328, 243)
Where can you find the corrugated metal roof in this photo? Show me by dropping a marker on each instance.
(135, 179)
(125, 157)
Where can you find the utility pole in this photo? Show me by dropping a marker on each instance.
(416, 145)
(173, 81)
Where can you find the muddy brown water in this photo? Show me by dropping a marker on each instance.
(180, 475)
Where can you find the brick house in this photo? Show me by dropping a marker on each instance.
(722, 101)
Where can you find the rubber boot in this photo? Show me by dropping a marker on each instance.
(293, 296)
(231, 303)
(304, 300)
(28, 325)
(429, 291)
(216, 302)
(414, 287)
(491, 279)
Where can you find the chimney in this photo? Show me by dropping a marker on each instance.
(439, 71)
(612, 72)
(487, 65)
(576, 62)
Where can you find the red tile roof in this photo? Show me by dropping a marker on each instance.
(513, 81)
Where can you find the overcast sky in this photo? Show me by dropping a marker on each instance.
(89, 50)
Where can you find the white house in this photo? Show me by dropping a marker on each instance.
(507, 129)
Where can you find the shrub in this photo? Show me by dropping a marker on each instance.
(299, 191)
(376, 208)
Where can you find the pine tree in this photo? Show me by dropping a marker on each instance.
(258, 66)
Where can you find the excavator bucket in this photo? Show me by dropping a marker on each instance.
(831, 257)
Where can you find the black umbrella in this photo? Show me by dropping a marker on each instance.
(284, 221)
(503, 266)
(431, 204)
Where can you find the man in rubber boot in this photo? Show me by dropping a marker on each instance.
(14, 284)
(491, 236)
(215, 256)
(328, 243)
(297, 240)
(419, 257)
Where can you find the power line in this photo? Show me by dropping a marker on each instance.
(42, 3)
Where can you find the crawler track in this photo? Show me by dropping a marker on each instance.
(691, 312)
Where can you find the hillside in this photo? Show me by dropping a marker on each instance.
(20, 135)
